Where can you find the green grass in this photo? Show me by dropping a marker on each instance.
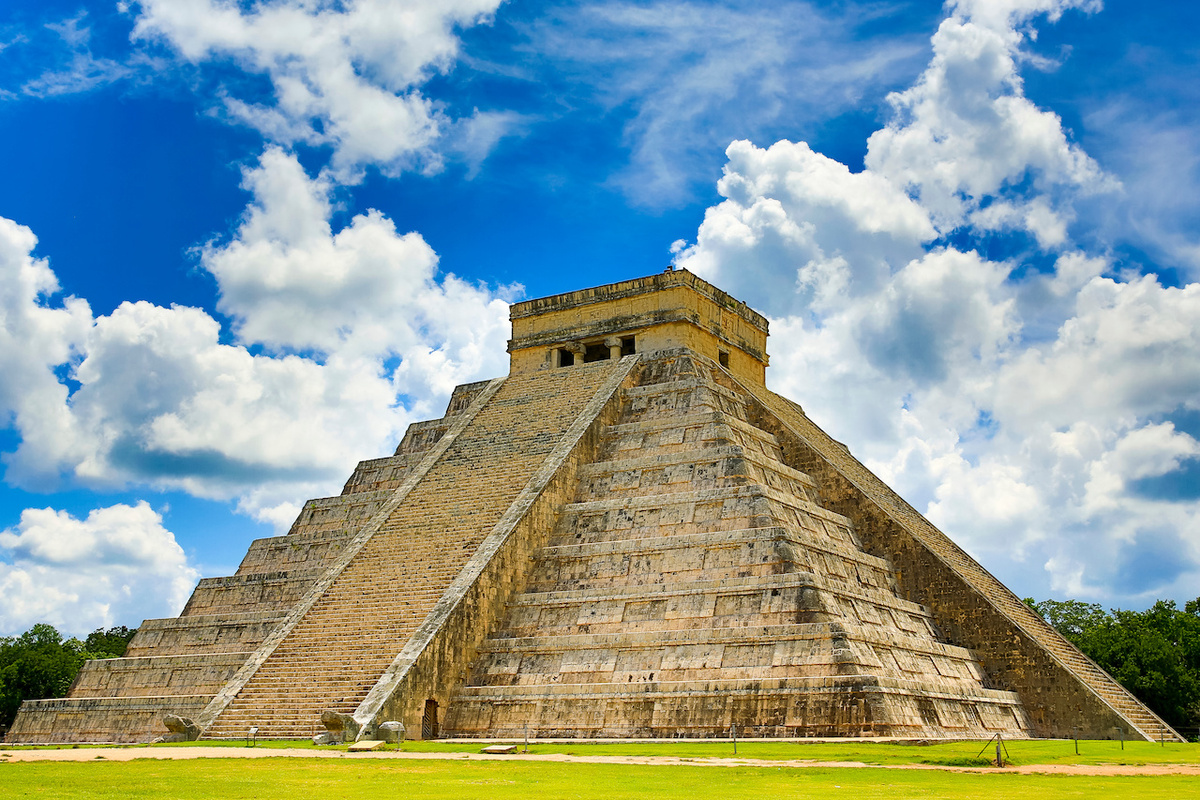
(883, 753)
(944, 753)
(291, 779)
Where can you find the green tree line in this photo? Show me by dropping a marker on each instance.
(41, 663)
(1155, 653)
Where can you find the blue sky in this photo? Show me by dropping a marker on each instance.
(244, 244)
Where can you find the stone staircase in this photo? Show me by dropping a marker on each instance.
(346, 637)
(177, 665)
(696, 582)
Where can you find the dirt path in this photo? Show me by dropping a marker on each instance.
(131, 753)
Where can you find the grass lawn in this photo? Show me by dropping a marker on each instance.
(946, 753)
(293, 779)
(951, 753)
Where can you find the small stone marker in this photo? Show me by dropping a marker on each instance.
(391, 732)
(499, 749)
(366, 744)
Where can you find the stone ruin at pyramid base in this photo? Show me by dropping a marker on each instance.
(629, 536)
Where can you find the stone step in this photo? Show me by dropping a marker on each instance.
(696, 511)
(297, 551)
(380, 474)
(691, 469)
(419, 437)
(123, 720)
(263, 591)
(702, 588)
(815, 706)
(739, 602)
(156, 676)
(701, 453)
(566, 547)
(343, 512)
(689, 558)
(673, 637)
(652, 689)
(773, 651)
(675, 398)
(679, 384)
(202, 633)
(703, 426)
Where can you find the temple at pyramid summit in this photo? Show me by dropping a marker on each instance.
(627, 536)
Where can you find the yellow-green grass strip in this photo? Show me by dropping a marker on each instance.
(289, 779)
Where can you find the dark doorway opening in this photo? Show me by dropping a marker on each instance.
(596, 352)
(429, 722)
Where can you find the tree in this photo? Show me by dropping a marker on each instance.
(36, 664)
(40, 663)
(110, 643)
(1155, 653)
(1072, 618)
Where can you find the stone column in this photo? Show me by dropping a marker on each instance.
(613, 344)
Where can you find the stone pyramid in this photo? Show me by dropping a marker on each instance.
(629, 536)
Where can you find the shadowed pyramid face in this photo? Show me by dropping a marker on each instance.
(636, 540)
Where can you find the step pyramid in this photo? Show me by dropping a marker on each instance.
(697, 583)
(628, 536)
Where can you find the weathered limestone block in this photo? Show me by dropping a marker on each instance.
(391, 732)
(339, 728)
(182, 729)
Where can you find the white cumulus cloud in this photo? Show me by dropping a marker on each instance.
(1034, 412)
(290, 282)
(118, 564)
(342, 337)
(342, 74)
